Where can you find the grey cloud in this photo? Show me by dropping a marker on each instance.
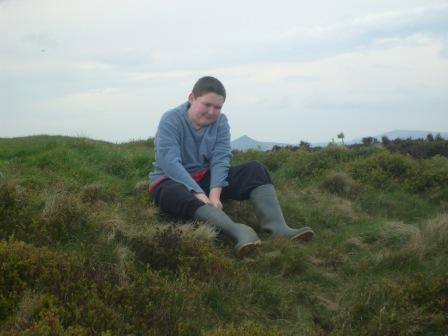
(431, 21)
(359, 34)
(302, 44)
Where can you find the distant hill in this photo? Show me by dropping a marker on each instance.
(244, 142)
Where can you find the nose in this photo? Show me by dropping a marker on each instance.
(212, 110)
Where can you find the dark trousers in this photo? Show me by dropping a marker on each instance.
(174, 198)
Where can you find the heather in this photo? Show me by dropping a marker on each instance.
(84, 251)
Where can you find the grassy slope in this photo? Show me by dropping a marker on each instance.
(83, 251)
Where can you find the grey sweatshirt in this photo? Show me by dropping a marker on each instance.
(181, 150)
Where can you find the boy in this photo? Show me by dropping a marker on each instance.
(192, 171)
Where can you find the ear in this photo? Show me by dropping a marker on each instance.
(191, 98)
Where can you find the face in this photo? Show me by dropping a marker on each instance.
(204, 110)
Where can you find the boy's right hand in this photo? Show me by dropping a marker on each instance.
(202, 197)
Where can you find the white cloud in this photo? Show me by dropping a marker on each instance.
(306, 43)
(292, 69)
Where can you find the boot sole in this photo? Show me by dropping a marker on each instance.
(306, 235)
(247, 248)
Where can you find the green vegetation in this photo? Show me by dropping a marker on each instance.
(83, 251)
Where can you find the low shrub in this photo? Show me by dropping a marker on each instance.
(274, 160)
(341, 184)
(43, 290)
(303, 164)
(419, 148)
(384, 170)
(181, 249)
(163, 251)
(15, 209)
(433, 175)
(64, 219)
(40, 314)
(24, 267)
(381, 306)
(246, 328)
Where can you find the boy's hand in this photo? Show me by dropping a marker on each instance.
(214, 197)
(216, 203)
(202, 197)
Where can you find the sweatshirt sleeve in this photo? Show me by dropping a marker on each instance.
(168, 144)
(221, 155)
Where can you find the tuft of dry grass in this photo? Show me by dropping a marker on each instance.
(344, 209)
(200, 233)
(96, 192)
(124, 258)
(355, 244)
(432, 235)
(341, 184)
(397, 234)
(140, 187)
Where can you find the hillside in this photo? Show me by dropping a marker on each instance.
(83, 251)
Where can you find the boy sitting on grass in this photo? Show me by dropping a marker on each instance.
(192, 171)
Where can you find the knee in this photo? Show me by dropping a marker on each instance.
(175, 200)
(256, 165)
(169, 190)
(257, 169)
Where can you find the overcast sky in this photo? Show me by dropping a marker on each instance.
(294, 70)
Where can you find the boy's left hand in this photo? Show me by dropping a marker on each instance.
(215, 198)
(216, 203)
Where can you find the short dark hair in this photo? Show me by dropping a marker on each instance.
(208, 84)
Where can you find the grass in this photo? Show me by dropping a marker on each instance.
(84, 251)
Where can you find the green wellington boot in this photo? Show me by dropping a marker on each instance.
(270, 215)
(246, 238)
